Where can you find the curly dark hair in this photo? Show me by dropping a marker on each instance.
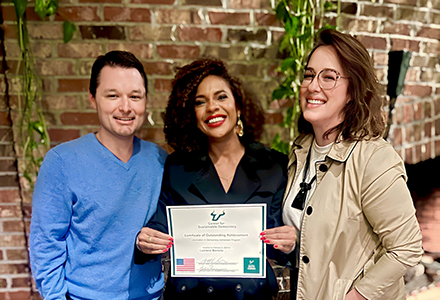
(181, 131)
(363, 117)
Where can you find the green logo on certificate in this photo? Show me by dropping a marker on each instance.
(251, 265)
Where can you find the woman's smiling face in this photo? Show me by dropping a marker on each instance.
(322, 108)
(215, 109)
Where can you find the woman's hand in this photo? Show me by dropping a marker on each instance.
(283, 238)
(151, 241)
(354, 295)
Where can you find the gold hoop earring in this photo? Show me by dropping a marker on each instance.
(239, 126)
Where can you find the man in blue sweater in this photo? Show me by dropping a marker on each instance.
(95, 193)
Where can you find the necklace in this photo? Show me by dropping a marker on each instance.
(301, 197)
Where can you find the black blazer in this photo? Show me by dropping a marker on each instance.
(191, 179)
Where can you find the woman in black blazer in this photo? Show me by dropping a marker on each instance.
(213, 124)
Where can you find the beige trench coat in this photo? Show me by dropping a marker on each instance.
(359, 228)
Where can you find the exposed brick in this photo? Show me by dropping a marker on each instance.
(243, 4)
(54, 67)
(199, 34)
(10, 211)
(162, 85)
(8, 180)
(77, 14)
(121, 14)
(10, 31)
(3, 283)
(175, 16)
(57, 102)
(162, 2)
(102, 32)
(417, 90)
(401, 44)
(79, 50)
(378, 11)
(13, 226)
(11, 241)
(9, 196)
(409, 156)
(432, 33)
(433, 48)
(19, 295)
(63, 135)
(46, 31)
(7, 165)
(203, 2)
(8, 14)
(373, 42)
(73, 85)
(397, 136)
(151, 134)
(41, 50)
(178, 51)
(148, 32)
(157, 101)
(16, 254)
(158, 68)
(247, 36)
(229, 18)
(396, 28)
(418, 111)
(413, 14)
(226, 53)
(100, 1)
(21, 282)
(407, 113)
(427, 129)
(70, 118)
(139, 50)
(265, 19)
(404, 2)
(412, 75)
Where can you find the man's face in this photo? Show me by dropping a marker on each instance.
(120, 101)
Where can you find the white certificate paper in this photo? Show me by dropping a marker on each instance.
(217, 240)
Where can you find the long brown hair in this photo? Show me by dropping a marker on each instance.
(363, 117)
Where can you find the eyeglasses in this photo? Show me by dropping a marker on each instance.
(327, 78)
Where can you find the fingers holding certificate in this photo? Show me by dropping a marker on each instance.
(151, 241)
(217, 240)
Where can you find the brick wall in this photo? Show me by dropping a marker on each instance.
(165, 34)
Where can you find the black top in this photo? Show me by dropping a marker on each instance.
(191, 179)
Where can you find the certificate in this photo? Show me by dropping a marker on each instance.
(217, 240)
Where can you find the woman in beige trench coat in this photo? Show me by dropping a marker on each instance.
(346, 193)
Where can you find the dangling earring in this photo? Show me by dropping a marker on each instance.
(239, 125)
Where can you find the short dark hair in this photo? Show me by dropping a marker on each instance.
(363, 113)
(181, 131)
(122, 59)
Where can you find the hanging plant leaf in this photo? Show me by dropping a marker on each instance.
(68, 30)
(52, 7)
(20, 7)
(40, 8)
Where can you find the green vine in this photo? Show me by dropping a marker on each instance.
(32, 126)
(301, 19)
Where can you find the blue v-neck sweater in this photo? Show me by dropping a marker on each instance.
(87, 208)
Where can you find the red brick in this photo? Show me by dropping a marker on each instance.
(199, 34)
(139, 50)
(397, 137)
(4, 120)
(16, 254)
(432, 33)
(427, 129)
(8, 180)
(418, 111)
(178, 51)
(377, 11)
(163, 2)
(151, 134)
(9, 196)
(409, 156)
(121, 14)
(373, 42)
(158, 68)
(79, 50)
(243, 4)
(8, 13)
(73, 118)
(100, 1)
(229, 18)
(175, 16)
(20, 295)
(3, 283)
(397, 28)
(147, 32)
(407, 113)
(57, 102)
(10, 31)
(10, 211)
(162, 85)
(264, 19)
(404, 2)
(417, 90)
(54, 67)
(7, 165)
(20, 282)
(273, 118)
(77, 14)
(13, 226)
(73, 85)
(433, 48)
(412, 75)
(409, 45)
(10, 241)
(63, 135)
(46, 31)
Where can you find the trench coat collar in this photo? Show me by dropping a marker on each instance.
(246, 180)
(340, 151)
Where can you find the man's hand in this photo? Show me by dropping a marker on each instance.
(283, 238)
(151, 241)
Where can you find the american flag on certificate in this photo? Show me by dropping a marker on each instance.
(185, 264)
